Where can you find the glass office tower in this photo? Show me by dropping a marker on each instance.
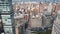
(7, 16)
(5, 6)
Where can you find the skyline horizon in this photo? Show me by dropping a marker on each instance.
(36, 1)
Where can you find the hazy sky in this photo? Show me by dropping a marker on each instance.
(36, 0)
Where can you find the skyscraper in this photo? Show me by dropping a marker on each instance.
(7, 16)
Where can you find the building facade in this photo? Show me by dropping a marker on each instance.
(7, 16)
(56, 25)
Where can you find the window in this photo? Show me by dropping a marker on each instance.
(5, 19)
(4, 9)
(1, 7)
(8, 30)
(6, 0)
(8, 8)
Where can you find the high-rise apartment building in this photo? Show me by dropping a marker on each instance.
(7, 16)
